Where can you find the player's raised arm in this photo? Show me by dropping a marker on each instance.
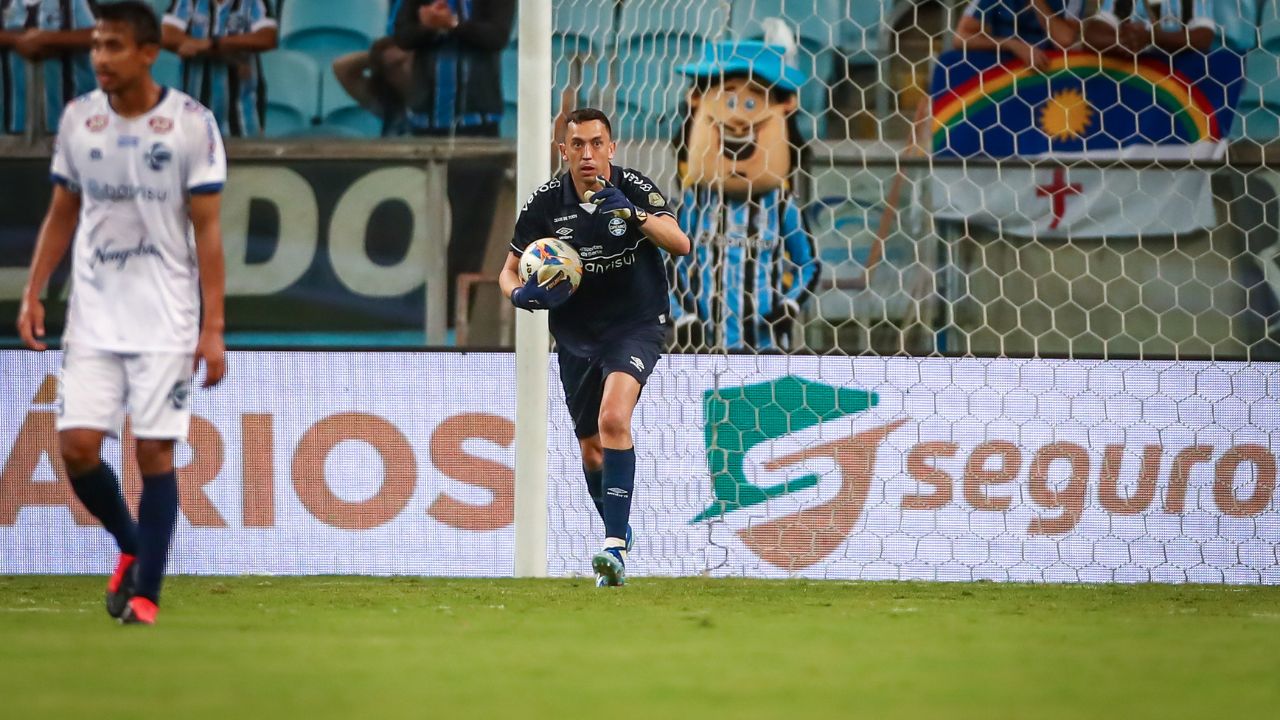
(650, 214)
(206, 211)
(51, 245)
(665, 232)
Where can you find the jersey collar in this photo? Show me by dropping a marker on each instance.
(164, 94)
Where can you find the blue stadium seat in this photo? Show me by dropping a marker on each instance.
(293, 92)
(1238, 20)
(591, 22)
(326, 29)
(860, 31)
(817, 26)
(654, 36)
(168, 70)
(1269, 25)
(817, 23)
(1258, 110)
(338, 109)
(510, 90)
(580, 32)
(580, 36)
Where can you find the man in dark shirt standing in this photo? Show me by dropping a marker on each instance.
(610, 332)
(457, 91)
(457, 65)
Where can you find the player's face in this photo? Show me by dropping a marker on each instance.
(738, 139)
(119, 62)
(587, 148)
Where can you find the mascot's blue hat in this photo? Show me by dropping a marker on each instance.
(764, 63)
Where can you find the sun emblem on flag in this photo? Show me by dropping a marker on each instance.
(1066, 115)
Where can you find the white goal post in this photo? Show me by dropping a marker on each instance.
(533, 166)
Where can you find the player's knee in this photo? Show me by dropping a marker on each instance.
(81, 450)
(155, 457)
(614, 425)
(79, 455)
(592, 452)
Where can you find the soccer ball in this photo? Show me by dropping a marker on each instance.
(553, 261)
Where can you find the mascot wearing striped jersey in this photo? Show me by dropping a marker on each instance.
(754, 262)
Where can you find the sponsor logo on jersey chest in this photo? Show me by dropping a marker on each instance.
(158, 156)
(160, 125)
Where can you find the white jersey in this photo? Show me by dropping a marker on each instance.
(135, 278)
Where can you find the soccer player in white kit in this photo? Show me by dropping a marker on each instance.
(137, 167)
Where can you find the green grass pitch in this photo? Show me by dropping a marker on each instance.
(240, 648)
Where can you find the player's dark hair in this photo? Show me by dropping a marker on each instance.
(146, 28)
(582, 115)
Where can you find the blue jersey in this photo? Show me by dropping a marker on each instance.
(751, 258)
(1170, 15)
(234, 89)
(66, 76)
(13, 86)
(391, 17)
(624, 280)
(1017, 18)
(457, 75)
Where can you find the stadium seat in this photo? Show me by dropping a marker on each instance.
(326, 29)
(654, 36)
(1259, 102)
(293, 92)
(859, 35)
(338, 109)
(1269, 25)
(817, 26)
(168, 70)
(1238, 20)
(591, 22)
(580, 37)
(510, 90)
(815, 22)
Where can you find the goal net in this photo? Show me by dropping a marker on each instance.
(952, 312)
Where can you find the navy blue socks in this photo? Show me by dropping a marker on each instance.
(619, 481)
(157, 515)
(99, 491)
(595, 488)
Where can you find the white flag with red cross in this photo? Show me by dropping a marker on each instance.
(1086, 146)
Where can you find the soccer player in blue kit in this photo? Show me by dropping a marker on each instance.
(610, 332)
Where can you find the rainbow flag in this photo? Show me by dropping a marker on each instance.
(1082, 106)
(1082, 103)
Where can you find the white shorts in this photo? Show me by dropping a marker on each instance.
(96, 387)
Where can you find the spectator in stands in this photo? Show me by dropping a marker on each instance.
(219, 42)
(1130, 27)
(457, 66)
(58, 34)
(456, 90)
(1028, 29)
(12, 111)
(379, 78)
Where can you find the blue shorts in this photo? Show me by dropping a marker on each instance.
(633, 351)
